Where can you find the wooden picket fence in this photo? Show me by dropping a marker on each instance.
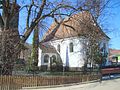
(17, 82)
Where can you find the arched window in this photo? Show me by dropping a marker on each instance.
(54, 58)
(46, 58)
(71, 47)
(58, 48)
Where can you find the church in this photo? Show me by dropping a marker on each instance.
(67, 47)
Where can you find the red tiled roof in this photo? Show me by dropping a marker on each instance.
(114, 52)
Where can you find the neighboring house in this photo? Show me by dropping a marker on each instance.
(67, 43)
(114, 55)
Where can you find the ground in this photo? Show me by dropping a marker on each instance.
(113, 84)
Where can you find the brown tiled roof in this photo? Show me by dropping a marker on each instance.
(76, 25)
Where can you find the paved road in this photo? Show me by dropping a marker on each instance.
(113, 84)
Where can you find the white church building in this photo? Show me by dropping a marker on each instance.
(66, 47)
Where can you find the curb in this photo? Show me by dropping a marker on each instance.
(62, 85)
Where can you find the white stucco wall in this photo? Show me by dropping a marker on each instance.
(76, 58)
(41, 57)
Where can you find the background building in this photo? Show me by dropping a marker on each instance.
(114, 56)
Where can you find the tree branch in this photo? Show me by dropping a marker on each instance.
(34, 23)
(51, 35)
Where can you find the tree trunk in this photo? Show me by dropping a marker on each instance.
(9, 40)
(35, 47)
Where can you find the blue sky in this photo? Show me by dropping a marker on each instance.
(111, 22)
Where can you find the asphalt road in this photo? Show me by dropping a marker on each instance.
(113, 84)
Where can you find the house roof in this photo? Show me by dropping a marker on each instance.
(76, 25)
(47, 48)
(114, 52)
(50, 49)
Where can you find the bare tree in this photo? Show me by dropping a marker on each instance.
(11, 41)
(37, 11)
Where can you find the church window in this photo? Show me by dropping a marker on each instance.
(58, 47)
(54, 58)
(46, 58)
(71, 47)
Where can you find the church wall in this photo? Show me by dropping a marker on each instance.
(71, 59)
